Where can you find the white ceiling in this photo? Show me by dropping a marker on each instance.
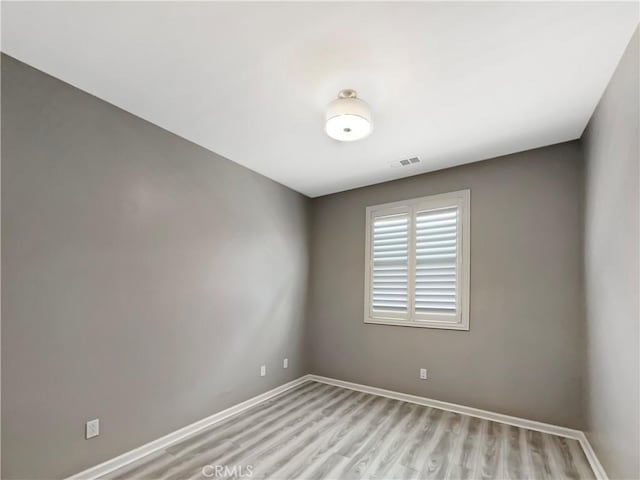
(450, 82)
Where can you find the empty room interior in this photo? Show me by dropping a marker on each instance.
(320, 240)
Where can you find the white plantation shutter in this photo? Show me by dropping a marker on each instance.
(436, 237)
(418, 262)
(390, 264)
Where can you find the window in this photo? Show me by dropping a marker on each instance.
(417, 263)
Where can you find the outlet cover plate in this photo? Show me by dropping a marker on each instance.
(92, 428)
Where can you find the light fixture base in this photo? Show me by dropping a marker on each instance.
(348, 93)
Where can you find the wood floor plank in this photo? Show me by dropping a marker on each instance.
(400, 472)
(201, 441)
(288, 442)
(554, 457)
(351, 432)
(281, 405)
(421, 437)
(511, 455)
(541, 468)
(210, 452)
(280, 454)
(318, 451)
(455, 454)
(365, 428)
(437, 459)
(525, 457)
(390, 448)
(280, 431)
(329, 468)
(367, 452)
(470, 450)
(317, 431)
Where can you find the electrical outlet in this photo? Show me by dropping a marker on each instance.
(285, 363)
(92, 428)
(423, 374)
(263, 370)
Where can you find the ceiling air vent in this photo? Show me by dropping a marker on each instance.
(406, 162)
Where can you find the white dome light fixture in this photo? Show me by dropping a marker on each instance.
(348, 117)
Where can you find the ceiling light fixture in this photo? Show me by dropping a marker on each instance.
(348, 117)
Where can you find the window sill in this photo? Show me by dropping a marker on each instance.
(417, 324)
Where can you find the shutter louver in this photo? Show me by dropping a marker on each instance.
(436, 254)
(390, 263)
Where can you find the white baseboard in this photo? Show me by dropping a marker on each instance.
(452, 407)
(168, 440)
(476, 412)
(596, 466)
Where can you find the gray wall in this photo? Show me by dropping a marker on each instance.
(612, 240)
(145, 279)
(523, 354)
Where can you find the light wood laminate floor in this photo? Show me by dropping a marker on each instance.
(319, 431)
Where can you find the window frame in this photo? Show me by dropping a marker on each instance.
(460, 199)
